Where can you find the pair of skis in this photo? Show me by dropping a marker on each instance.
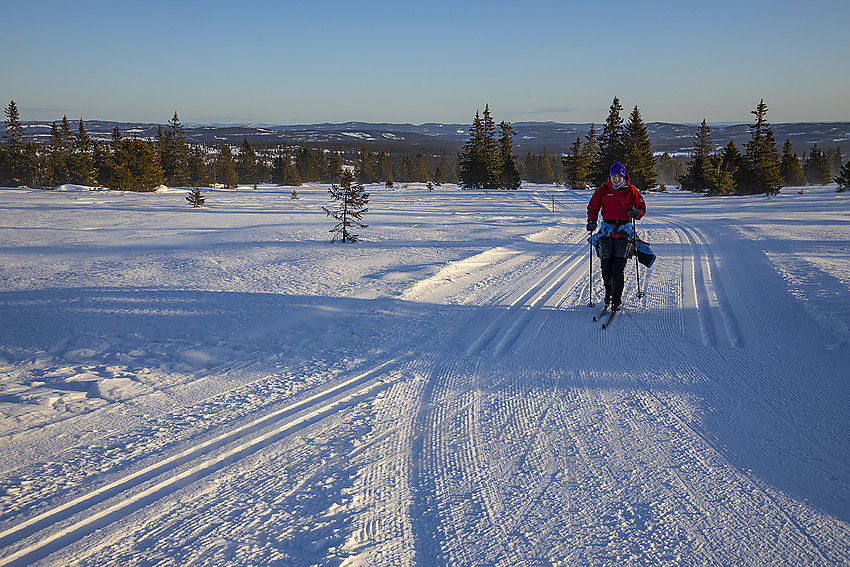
(606, 316)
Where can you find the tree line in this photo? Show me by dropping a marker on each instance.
(760, 168)
(72, 156)
(486, 161)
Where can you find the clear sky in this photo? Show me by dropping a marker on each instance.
(308, 61)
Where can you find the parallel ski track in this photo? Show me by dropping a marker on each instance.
(709, 293)
(86, 516)
(507, 327)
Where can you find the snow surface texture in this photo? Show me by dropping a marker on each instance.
(222, 386)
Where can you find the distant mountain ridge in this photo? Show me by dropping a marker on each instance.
(441, 137)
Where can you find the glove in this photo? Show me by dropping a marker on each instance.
(633, 212)
(591, 225)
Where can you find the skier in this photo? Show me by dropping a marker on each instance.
(620, 202)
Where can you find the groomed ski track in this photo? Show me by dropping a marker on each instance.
(498, 426)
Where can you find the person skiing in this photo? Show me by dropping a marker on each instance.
(620, 202)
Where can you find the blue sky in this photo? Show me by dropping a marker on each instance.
(313, 61)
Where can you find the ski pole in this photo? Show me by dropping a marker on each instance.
(590, 302)
(640, 294)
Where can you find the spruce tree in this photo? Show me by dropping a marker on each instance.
(247, 169)
(174, 153)
(351, 205)
(283, 170)
(225, 168)
(383, 167)
(491, 150)
(591, 153)
(762, 158)
(82, 164)
(789, 167)
(197, 173)
(816, 167)
(639, 159)
(58, 157)
(16, 171)
(509, 175)
(697, 172)
(332, 171)
(195, 198)
(472, 166)
(575, 166)
(135, 165)
(544, 165)
(843, 178)
(612, 143)
(311, 164)
(366, 169)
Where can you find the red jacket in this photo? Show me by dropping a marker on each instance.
(615, 203)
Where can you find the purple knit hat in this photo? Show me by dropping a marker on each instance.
(618, 169)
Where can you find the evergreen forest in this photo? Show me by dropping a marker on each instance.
(70, 154)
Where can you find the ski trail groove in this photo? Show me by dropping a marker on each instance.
(511, 322)
(709, 304)
(317, 406)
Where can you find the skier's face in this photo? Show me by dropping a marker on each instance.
(617, 180)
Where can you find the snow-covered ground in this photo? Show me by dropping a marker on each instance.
(223, 386)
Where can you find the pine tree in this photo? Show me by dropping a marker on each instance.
(439, 176)
(82, 165)
(351, 205)
(591, 153)
(843, 178)
(247, 169)
(762, 158)
(367, 168)
(283, 170)
(834, 158)
(225, 167)
(421, 169)
(544, 167)
(816, 167)
(719, 181)
(101, 159)
(332, 171)
(491, 150)
(58, 157)
(789, 167)
(509, 174)
(472, 160)
(195, 198)
(641, 162)
(696, 175)
(576, 167)
(612, 143)
(197, 172)
(134, 165)
(16, 171)
(311, 164)
(383, 167)
(174, 153)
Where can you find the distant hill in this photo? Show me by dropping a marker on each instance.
(436, 138)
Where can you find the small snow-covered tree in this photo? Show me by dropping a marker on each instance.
(351, 205)
(843, 178)
(195, 198)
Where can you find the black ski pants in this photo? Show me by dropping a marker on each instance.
(613, 253)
